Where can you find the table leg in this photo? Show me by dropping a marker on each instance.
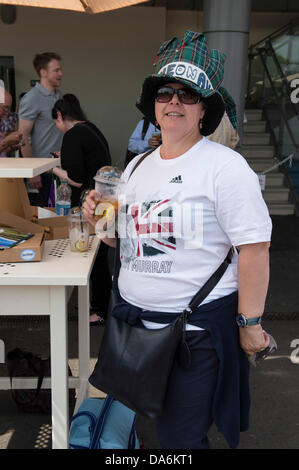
(59, 367)
(84, 343)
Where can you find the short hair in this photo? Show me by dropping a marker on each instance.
(69, 107)
(41, 61)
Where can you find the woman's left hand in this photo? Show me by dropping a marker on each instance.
(253, 339)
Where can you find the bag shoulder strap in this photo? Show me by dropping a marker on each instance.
(140, 161)
(117, 249)
(209, 284)
(98, 136)
(146, 123)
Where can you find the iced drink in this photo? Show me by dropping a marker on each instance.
(107, 188)
(157, 138)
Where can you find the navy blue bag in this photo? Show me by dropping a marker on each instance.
(103, 424)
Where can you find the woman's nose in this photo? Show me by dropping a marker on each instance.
(175, 98)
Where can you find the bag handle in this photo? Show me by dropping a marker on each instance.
(97, 431)
(40, 375)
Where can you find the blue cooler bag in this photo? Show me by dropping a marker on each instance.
(103, 424)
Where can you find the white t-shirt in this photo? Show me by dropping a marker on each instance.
(181, 217)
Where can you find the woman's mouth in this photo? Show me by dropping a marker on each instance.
(174, 114)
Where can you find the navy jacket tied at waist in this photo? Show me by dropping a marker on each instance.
(232, 399)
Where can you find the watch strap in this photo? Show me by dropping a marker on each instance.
(244, 321)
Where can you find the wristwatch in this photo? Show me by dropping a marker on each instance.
(243, 322)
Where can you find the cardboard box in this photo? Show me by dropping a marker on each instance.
(14, 197)
(29, 251)
(54, 227)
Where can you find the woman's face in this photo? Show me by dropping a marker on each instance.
(60, 123)
(174, 116)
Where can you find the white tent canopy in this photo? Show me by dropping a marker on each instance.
(89, 6)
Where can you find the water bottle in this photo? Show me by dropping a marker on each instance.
(63, 200)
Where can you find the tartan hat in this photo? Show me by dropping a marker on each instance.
(190, 63)
(230, 106)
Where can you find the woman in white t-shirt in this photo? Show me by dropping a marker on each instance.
(187, 203)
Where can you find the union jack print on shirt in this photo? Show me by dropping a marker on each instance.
(153, 227)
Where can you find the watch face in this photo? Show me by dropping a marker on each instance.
(241, 321)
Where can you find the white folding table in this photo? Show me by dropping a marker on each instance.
(41, 288)
(26, 167)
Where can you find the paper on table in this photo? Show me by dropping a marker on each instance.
(45, 213)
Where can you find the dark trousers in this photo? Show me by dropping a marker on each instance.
(101, 282)
(187, 414)
(41, 198)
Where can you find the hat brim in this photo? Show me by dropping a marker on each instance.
(214, 103)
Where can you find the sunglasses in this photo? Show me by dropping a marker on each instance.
(185, 95)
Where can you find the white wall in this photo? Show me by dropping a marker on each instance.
(178, 21)
(105, 58)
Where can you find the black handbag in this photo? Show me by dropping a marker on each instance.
(22, 363)
(134, 363)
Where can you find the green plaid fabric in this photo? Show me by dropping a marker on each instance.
(189, 62)
(192, 49)
(230, 106)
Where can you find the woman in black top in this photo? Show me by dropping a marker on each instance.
(84, 150)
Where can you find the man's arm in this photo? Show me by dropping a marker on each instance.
(253, 275)
(25, 127)
(12, 139)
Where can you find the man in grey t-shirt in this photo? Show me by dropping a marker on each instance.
(40, 134)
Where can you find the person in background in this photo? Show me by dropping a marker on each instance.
(8, 140)
(84, 150)
(226, 133)
(145, 137)
(8, 125)
(40, 135)
(164, 262)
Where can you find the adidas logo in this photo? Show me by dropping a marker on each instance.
(176, 179)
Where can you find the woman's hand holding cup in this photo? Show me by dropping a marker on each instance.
(89, 206)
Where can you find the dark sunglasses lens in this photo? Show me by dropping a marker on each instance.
(187, 96)
(164, 94)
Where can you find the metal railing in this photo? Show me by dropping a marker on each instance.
(273, 69)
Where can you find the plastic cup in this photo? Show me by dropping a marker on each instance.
(157, 137)
(78, 231)
(107, 188)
